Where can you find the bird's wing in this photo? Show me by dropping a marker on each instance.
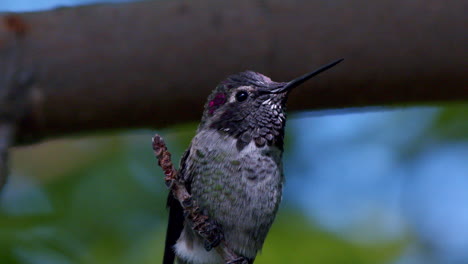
(175, 224)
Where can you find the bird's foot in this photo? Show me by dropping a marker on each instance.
(239, 260)
(214, 235)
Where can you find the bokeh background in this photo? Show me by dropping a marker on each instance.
(378, 185)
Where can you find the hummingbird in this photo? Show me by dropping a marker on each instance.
(233, 167)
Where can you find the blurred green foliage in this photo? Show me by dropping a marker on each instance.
(293, 239)
(102, 200)
(452, 122)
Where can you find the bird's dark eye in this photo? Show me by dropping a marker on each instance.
(242, 96)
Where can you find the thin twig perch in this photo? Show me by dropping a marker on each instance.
(15, 90)
(6, 138)
(201, 223)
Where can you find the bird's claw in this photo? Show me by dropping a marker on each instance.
(216, 236)
(239, 260)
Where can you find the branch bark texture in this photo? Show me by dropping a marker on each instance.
(152, 64)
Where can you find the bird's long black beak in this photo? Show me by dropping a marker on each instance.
(298, 81)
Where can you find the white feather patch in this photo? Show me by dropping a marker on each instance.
(197, 254)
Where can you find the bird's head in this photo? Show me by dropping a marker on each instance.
(250, 106)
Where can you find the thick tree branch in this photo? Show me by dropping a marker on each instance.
(152, 64)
